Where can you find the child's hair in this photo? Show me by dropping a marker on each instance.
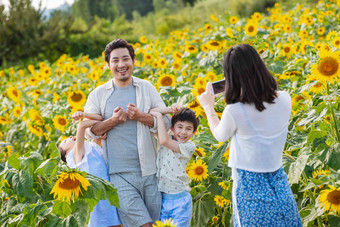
(247, 78)
(62, 153)
(185, 114)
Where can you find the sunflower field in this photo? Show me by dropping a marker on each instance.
(301, 48)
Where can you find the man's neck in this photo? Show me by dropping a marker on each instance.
(120, 83)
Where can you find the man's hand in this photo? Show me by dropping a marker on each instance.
(118, 116)
(132, 112)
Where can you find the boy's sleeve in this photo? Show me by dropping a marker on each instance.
(187, 149)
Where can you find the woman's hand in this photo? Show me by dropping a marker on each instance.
(206, 99)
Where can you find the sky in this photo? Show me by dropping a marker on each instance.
(48, 4)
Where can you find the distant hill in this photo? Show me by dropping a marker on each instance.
(48, 12)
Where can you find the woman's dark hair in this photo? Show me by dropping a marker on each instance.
(115, 44)
(62, 153)
(185, 114)
(247, 78)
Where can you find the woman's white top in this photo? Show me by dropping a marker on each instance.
(257, 138)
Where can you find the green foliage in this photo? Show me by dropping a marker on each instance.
(24, 34)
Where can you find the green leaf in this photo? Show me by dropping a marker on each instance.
(203, 211)
(334, 160)
(315, 134)
(296, 168)
(216, 157)
(334, 221)
(14, 161)
(316, 211)
(61, 208)
(48, 168)
(31, 162)
(23, 184)
(80, 211)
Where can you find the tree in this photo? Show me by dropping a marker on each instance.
(24, 34)
(128, 6)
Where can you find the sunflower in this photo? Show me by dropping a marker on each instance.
(199, 152)
(336, 42)
(13, 94)
(35, 129)
(226, 154)
(214, 219)
(143, 39)
(60, 122)
(251, 28)
(213, 17)
(194, 105)
(318, 173)
(287, 50)
(330, 200)
(68, 185)
(229, 32)
(162, 63)
(166, 80)
(328, 67)
(76, 98)
(223, 185)
(198, 171)
(94, 75)
(191, 49)
(165, 223)
(321, 30)
(17, 111)
(221, 201)
(214, 45)
(148, 57)
(233, 20)
(204, 48)
(177, 56)
(207, 27)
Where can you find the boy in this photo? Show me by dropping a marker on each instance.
(172, 160)
(88, 157)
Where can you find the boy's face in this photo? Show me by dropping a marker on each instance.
(68, 144)
(183, 131)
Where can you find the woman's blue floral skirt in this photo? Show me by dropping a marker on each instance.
(263, 199)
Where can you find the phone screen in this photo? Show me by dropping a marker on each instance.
(218, 87)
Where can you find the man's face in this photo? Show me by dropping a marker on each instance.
(121, 64)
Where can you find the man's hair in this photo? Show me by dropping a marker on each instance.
(247, 78)
(185, 114)
(115, 44)
(62, 153)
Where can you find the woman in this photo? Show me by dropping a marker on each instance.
(256, 118)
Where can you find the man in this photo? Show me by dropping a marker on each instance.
(124, 102)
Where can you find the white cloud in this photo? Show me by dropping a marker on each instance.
(49, 4)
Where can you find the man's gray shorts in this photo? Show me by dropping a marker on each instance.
(139, 198)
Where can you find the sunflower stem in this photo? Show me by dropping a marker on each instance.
(331, 108)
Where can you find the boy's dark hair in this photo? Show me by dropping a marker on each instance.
(247, 78)
(185, 114)
(62, 153)
(115, 44)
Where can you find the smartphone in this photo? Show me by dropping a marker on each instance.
(217, 87)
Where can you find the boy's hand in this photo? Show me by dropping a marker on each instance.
(132, 111)
(175, 108)
(77, 116)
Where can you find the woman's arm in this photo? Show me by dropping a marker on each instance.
(207, 101)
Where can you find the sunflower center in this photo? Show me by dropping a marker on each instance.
(251, 28)
(214, 44)
(166, 81)
(191, 48)
(287, 49)
(317, 85)
(194, 104)
(76, 97)
(62, 121)
(334, 197)
(15, 93)
(199, 170)
(298, 98)
(337, 42)
(328, 66)
(70, 184)
(201, 90)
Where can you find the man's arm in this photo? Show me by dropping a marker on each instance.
(134, 113)
(102, 127)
